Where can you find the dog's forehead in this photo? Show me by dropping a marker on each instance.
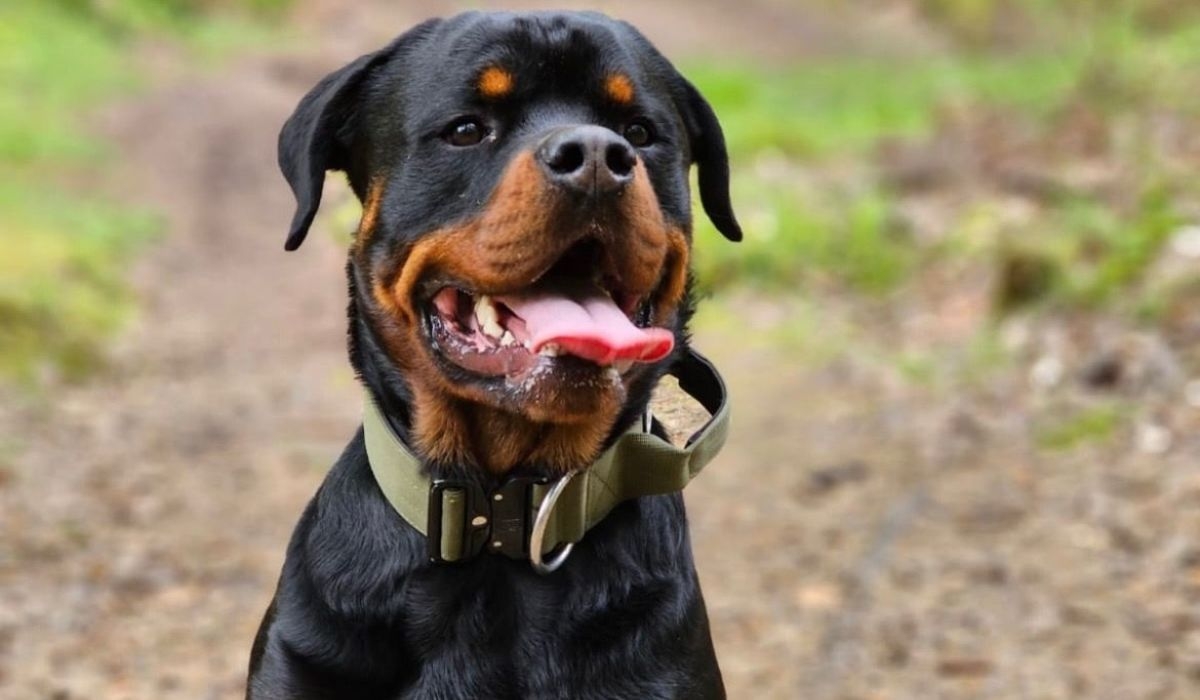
(551, 41)
(494, 54)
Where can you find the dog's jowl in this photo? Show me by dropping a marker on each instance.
(508, 522)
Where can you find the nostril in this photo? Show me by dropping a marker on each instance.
(567, 158)
(620, 159)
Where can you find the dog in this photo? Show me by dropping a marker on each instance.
(519, 283)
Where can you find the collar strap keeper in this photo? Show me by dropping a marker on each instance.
(461, 521)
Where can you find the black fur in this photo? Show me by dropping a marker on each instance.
(359, 611)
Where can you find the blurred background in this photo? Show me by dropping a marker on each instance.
(962, 336)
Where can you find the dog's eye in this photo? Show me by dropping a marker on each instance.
(639, 134)
(467, 131)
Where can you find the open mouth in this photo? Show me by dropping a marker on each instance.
(573, 313)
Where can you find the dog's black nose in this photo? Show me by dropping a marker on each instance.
(588, 159)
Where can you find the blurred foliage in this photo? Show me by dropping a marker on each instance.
(812, 144)
(136, 16)
(835, 105)
(1090, 424)
(62, 286)
(992, 23)
(63, 254)
(818, 236)
(808, 143)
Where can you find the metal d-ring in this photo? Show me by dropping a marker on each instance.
(539, 530)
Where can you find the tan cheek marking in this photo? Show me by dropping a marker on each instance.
(496, 257)
(495, 82)
(619, 88)
(420, 256)
(674, 283)
(646, 249)
(383, 297)
(370, 215)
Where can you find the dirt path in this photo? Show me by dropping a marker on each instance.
(145, 514)
(862, 537)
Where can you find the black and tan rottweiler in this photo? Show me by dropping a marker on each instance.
(519, 283)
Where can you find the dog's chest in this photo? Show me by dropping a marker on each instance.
(617, 644)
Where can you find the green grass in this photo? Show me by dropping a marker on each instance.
(1109, 251)
(63, 253)
(1089, 425)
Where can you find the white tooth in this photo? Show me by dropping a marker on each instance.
(622, 365)
(507, 340)
(550, 350)
(488, 317)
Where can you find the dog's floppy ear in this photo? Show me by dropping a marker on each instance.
(704, 133)
(318, 135)
(711, 159)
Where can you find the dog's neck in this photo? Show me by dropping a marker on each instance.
(454, 435)
(452, 431)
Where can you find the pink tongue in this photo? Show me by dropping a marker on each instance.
(590, 326)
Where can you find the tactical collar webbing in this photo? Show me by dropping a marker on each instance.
(460, 521)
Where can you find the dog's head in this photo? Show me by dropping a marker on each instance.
(520, 272)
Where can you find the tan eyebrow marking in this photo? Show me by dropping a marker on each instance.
(619, 88)
(495, 82)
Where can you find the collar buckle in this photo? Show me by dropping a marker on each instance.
(512, 516)
(500, 521)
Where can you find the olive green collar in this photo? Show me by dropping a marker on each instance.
(528, 518)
